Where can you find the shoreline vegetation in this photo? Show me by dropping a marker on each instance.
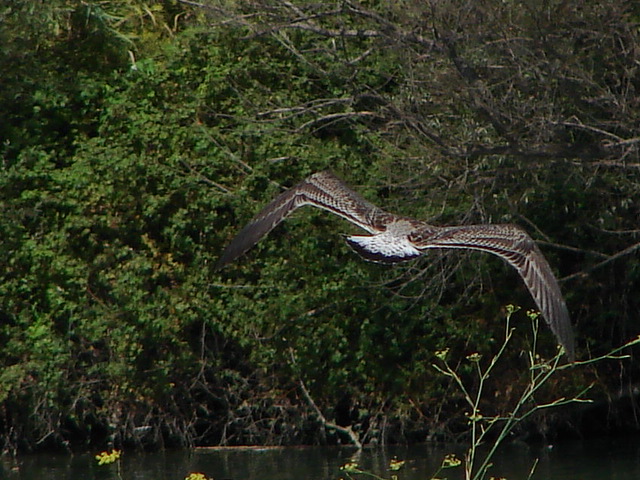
(485, 435)
(137, 137)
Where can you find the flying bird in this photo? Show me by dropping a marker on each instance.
(393, 238)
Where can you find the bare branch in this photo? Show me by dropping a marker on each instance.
(333, 117)
(620, 254)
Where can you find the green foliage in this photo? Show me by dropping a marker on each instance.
(139, 136)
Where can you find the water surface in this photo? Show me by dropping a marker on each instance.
(603, 459)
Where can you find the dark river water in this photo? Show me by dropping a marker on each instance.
(603, 459)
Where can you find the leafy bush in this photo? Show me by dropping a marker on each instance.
(138, 137)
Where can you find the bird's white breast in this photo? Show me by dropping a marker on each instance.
(384, 247)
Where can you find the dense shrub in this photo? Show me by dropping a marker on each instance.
(138, 137)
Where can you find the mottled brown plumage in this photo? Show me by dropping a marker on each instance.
(395, 238)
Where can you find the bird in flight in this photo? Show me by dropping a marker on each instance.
(394, 238)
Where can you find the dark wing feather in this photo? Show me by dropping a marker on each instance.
(516, 247)
(323, 190)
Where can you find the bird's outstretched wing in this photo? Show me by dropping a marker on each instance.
(323, 190)
(515, 246)
(394, 238)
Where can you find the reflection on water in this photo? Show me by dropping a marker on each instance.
(614, 459)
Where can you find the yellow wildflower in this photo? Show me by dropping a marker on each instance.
(474, 357)
(396, 464)
(197, 476)
(442, 354)
(351, 467)
(450, 460)
(105, 458)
